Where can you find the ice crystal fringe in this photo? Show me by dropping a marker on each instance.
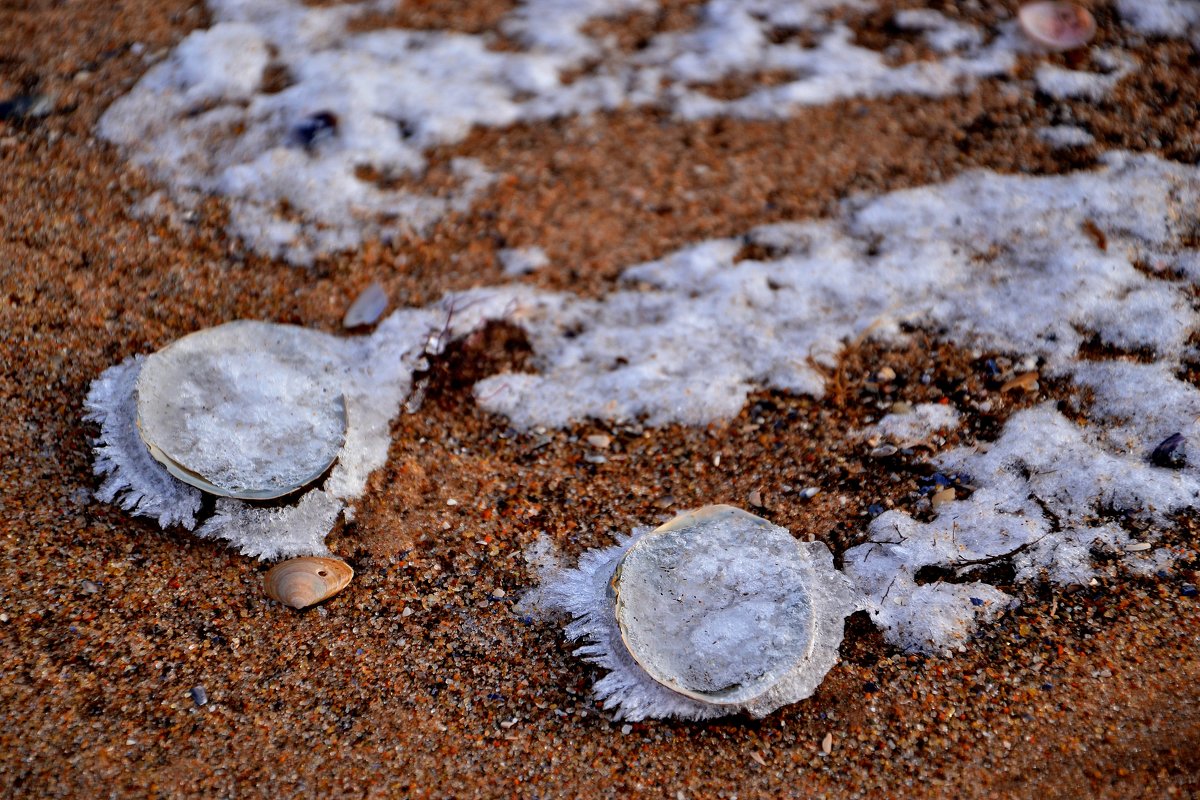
(132, 478)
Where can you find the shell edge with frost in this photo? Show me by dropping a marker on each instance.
(630, 692)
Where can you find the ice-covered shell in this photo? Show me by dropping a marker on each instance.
(1058, 26)
(248, 409)
(727, 609)
(302, 582)
(367, 308)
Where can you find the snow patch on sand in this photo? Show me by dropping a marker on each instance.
(310, 163)
(1007, 263)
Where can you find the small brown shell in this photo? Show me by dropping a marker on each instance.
(302, 582)
(1058, 26)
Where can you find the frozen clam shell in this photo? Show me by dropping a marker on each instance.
(248, 409)
(1058, 26)
(302, 582)
(725, 608)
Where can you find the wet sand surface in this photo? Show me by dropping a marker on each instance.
(424, 678)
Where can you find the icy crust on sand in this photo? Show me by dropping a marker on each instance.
(917, 425)
(1162, 17)
(375, 375)
(1006, 263)
(133, 480)
(361, 109)
(627, 690)
(983, 257)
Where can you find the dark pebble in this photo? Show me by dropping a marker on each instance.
(199, 696)
(26, 105)
(975, 601)
(875, 509)
(312, 130)
(870, 686)
(1189, 590)
(1170, 452)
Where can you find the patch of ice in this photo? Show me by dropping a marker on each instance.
(1063, 136)
(917, 425)
(271, 533)
(1161, 17)
(132, 478)
(1062, 83)
(979, 256)
(1046, 491)
(366, 105)
(522, 261)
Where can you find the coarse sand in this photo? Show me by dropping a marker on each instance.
(424, 678)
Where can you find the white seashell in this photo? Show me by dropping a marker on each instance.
(247, 409)
(302, 582)
(729, 610)
(1058, 26)
(367, 308)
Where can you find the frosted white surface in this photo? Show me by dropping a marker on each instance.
(1062, 83)
(275, 533)
(917, 425)
(1161, 17)
(522, 261)
(631, 693)
(202, 121)
(979, 256)
(1061, 136)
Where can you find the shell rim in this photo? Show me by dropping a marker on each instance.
(724, 697)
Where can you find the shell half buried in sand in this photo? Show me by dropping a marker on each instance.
(249, 410)
(727, 609)
(1057, 25)
(302, 582)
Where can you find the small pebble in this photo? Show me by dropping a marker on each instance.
(90, 588)
(756, 499)
(199, 695)
(810, 492)
(315, 128)
(1189, 590)
(942, 497)
(599, 440)
(885, 375)
(1170, 452)
(367, 308)
(827, 744)
(626, 729)
(1137, 547)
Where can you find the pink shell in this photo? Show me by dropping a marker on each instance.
(1058, 26)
